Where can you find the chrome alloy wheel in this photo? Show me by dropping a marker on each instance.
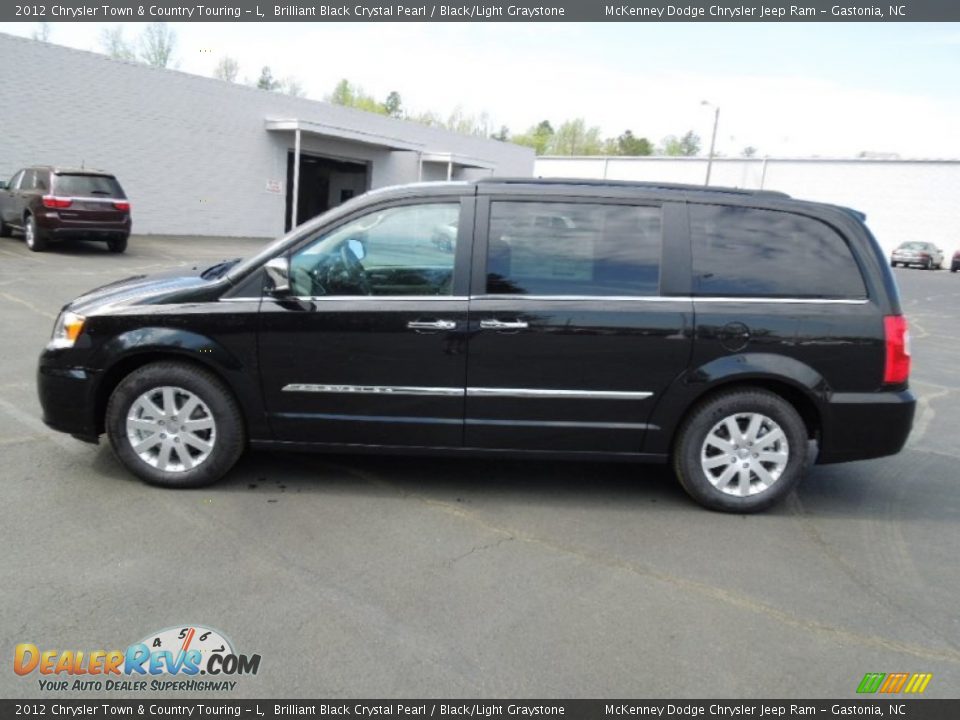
(29, 233)
(744, 454)
(171, 429)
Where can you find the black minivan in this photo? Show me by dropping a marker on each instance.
(731, 333)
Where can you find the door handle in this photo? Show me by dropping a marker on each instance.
(432, 325)
(503, 325)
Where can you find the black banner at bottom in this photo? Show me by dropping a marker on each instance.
(894, 707)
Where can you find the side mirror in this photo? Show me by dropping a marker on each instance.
(278, 271)
(357, 247)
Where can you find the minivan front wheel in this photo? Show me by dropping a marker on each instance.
(175, 425)
(741, 451)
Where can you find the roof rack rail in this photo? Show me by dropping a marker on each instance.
(593, 182)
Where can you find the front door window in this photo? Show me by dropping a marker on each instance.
(406, 250)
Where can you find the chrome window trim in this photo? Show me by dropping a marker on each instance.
(677, 298)
(637, 298)
(552, 394)
(364, 298)
(573, 298)
(791, 301)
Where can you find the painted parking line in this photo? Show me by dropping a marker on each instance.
(27, 304)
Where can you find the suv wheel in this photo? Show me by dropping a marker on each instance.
(741, 451)
(5, 230)
(35, 240)
(117, 245)
(175, 425)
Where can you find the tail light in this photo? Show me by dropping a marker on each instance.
(54, 202)
(896, 337)
(122, 205)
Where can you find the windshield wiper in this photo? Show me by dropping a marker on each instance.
(215, 271)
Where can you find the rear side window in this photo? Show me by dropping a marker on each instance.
(88, 186)
(29, 180)
(555, 248)
(764, 253)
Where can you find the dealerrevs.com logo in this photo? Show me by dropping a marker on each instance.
(169, 660)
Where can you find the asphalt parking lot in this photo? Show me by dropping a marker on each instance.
(387, 577)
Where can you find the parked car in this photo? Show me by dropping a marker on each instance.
(50, 203)
(955, 262)
(926, 255)
(729, 333)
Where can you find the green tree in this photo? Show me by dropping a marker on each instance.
(291, 86)
(573, 137)
(227, 69)
(157, 43)
(115, 45)
(353, 96)
(393, 106)
(266, 81)
(629, 144)
(538, 137)
(685, 146)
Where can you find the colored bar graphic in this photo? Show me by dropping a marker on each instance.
(893, 683)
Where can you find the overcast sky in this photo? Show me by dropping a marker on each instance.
(830, 89)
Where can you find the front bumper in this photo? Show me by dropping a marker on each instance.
(860, 426)
(68, 399)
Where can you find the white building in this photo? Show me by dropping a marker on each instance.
(903, 199)
(199, 156)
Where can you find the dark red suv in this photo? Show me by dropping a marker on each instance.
(50, 203)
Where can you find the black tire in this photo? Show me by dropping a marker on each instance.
(929, 265)
(893, 264)
(953, 268)
(35, 239)
(708, 416)
(5, 230)
(227, 444)
(117, 245)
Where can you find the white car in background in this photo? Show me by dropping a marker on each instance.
(926, 255)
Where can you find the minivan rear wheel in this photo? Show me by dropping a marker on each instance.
(741, 451)
(175, 425)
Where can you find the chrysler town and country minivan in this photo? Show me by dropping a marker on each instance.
(730, 333)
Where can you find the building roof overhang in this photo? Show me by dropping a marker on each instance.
(341, 132)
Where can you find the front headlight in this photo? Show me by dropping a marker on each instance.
(67, 329)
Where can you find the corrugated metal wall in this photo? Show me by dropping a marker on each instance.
(192, 153)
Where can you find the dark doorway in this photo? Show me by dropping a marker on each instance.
(324, 183)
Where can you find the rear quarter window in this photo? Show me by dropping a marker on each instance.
(88, 186)
(746, 252)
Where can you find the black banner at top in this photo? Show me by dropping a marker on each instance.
(512, 11)
(893, 708)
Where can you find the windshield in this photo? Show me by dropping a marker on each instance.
(913, 246)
